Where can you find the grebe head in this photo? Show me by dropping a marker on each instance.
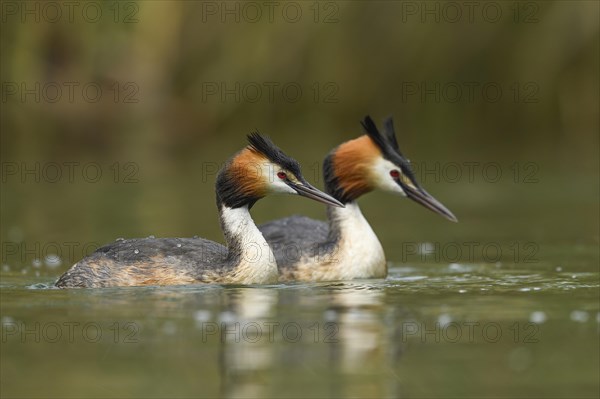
(261, 169)
(374, 161)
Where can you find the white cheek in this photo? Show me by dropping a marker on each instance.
(274, 183)
(381, 176)
(280, 187)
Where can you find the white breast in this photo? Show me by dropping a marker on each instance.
(359, 251)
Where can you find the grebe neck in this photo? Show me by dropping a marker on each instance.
(248, 251)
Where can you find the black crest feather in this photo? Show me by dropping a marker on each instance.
(263, 145)
(390, 133)
(386, 142)
(388, 145)
(373, 133)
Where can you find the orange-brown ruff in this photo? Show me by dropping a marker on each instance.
(351, 165)
(247, 170)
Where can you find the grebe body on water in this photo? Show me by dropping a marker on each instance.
(256, 171)
(346, 247)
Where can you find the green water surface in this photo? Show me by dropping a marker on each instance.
(428, 330)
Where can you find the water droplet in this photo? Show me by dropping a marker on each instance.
(524, 289)
(580, 316)
(444, 319)
(330, 315)
(120, 239)
(457, 267)
(537, 317)
(202, 316)
(426, 248)
(5, 268)
(227, 317)
(178, 245)
(52, 261)
(195, 237)
(36, 263)
(136, 251)
(462, 291)
(537, 288)
(151, 237)
(558, 269)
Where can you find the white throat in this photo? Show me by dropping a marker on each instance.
(359, 253)
(256, 263)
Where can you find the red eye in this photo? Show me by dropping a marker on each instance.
(282, 175)
(394, 173)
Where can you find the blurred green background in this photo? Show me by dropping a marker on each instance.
(168, 103)
(116, 116)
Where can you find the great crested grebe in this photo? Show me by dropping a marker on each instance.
(259, 169)
(345, 247)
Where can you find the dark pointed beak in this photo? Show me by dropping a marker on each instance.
(424, 198)
(308, 191)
